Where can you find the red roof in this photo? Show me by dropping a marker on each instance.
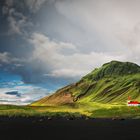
(133, 102)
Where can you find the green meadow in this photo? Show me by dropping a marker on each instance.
(93, 110)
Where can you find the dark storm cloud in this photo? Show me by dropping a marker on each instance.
(15, 51)
(18, 55)
(14, 93)
(15, 16)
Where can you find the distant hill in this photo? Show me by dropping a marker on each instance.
(111, 83)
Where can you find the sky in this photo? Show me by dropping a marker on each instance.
(47, 44)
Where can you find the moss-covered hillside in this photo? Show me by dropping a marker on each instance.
(110, 84)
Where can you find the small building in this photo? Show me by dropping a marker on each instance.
(133, 103)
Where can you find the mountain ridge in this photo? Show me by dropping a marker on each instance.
(111, 83)
(116, 68)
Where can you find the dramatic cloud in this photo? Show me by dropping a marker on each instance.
(51, 43)
(116, 22)
(17, 21)
(64, 59)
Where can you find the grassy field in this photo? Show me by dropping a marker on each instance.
(92, 110)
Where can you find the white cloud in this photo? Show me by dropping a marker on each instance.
(68, 73)
(130, 39)
(4, 57)
(116, 23)
(27, 94)
(56, 56)
(8, 58)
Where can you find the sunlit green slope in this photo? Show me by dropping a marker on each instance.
(111, 84)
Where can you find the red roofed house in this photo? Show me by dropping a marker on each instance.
(132, 103)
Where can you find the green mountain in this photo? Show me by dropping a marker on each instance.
(110, 84)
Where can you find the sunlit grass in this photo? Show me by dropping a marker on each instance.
(93, 110)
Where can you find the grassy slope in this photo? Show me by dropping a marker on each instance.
(110, 84)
